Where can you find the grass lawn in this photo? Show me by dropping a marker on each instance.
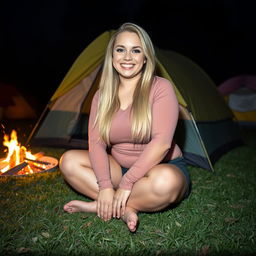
(217, 219)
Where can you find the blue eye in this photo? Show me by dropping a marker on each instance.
(137, 51)
(119, 49)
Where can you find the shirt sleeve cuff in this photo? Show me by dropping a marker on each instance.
(125, 184)
(105, 184)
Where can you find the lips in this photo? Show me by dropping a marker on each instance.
(127, 66)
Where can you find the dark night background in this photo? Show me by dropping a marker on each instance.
(41, 39)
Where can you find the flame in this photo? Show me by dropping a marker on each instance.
(16, 154)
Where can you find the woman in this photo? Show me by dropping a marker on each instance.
(133, 116)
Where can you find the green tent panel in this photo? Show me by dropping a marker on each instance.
(193, 84)
(205, 130)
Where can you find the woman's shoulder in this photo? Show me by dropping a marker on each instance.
(160, 79)
(95, 99)
(96, 95)
(161, 83)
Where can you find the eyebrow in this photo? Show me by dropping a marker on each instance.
(120, 45)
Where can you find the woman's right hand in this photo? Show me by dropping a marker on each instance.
(104, 203)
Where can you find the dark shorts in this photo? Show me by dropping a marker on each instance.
(181, 164)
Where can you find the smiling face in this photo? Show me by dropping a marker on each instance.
(128, 55)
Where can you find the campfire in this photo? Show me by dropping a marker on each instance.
(20, 161)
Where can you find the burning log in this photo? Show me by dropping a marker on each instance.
(37, 161)
(36, 168)
(14, 170)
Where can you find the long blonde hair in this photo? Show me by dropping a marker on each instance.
(108, 90)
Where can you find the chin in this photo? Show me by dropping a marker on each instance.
(129, 76)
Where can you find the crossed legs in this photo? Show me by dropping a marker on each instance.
(163, 185)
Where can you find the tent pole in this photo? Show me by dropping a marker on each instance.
(201, 141)
(37, 124)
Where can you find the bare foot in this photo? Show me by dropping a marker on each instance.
(80, 206)
(131, 219)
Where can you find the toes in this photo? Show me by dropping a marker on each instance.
(132, 226)
(65, 208)
(68, 208)
(132, 222)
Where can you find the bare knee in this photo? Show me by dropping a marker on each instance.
(168, 183)
(66, 163)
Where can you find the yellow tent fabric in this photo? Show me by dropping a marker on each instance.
(88, 60)
(162, 72)
(249, 116)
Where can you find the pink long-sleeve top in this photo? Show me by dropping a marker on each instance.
(139, 158)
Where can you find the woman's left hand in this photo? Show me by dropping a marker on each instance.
(120, 199)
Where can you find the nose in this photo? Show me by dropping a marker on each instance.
(128, 55)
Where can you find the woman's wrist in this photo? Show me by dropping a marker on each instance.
(105, 185)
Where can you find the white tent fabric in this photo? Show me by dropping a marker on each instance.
(243, 99)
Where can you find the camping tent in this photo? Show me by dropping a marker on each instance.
(240, 94)
(13, 105)
(205, 129)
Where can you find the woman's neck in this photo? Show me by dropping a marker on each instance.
(126, 91)
(129, 84)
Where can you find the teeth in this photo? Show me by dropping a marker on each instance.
(127, 65)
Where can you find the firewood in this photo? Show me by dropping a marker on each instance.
(15, 169)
